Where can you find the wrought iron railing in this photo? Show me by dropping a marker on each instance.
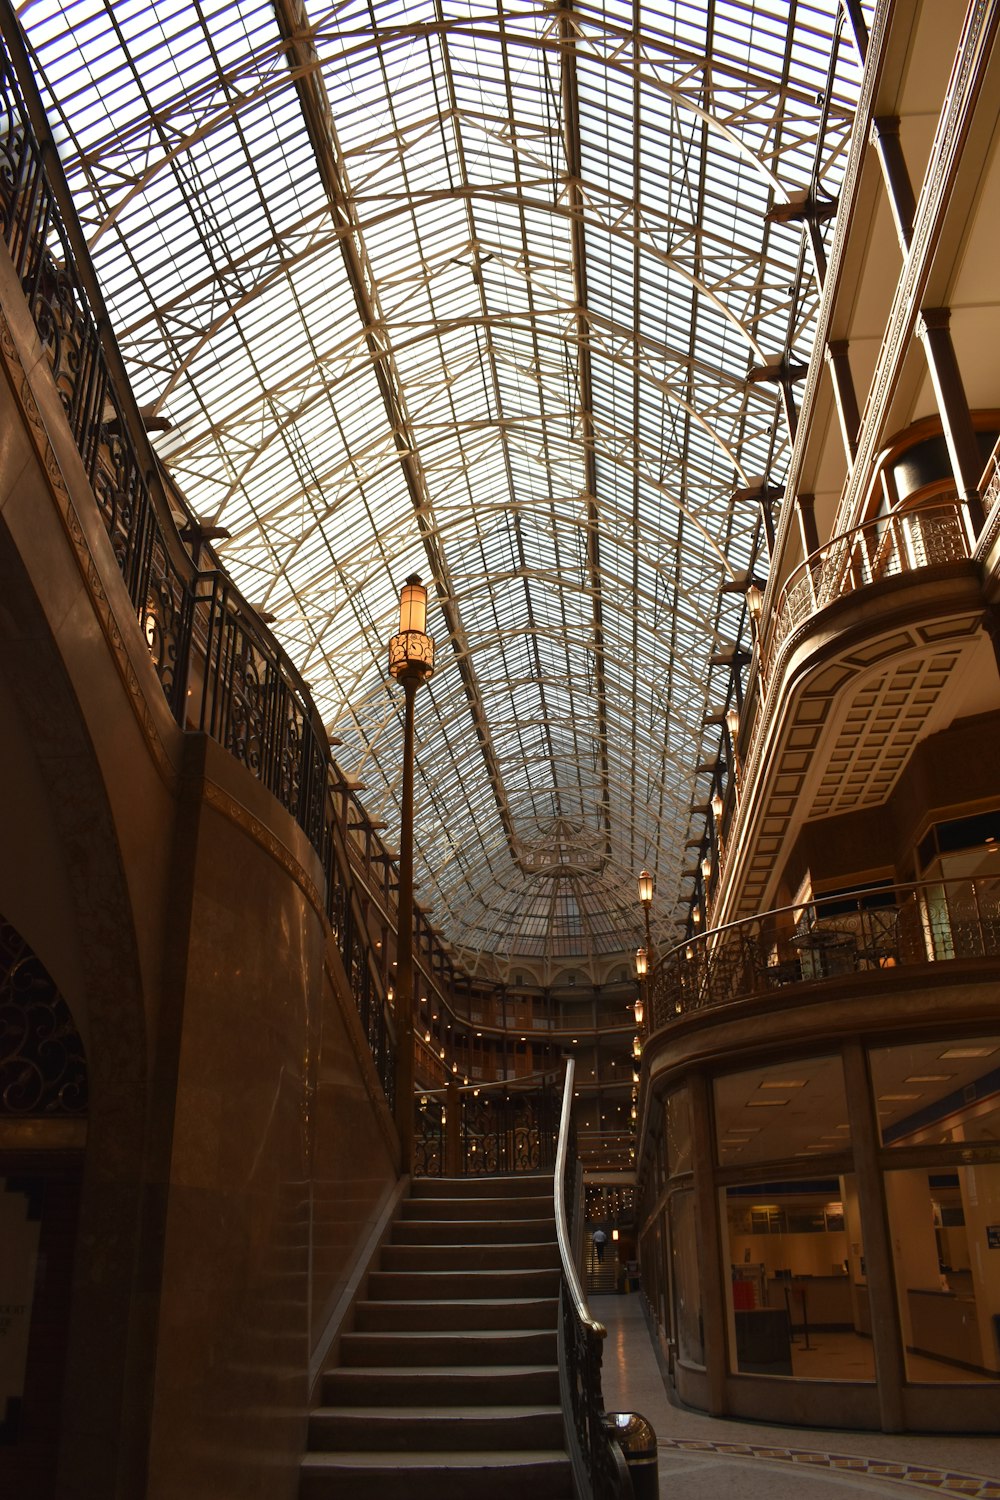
(892, 544)
(869, 931)
(598, 1462)
(220, 670)
(487, 1129)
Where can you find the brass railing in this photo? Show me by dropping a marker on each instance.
(867, 931)
(900, 542)
(599, 1466)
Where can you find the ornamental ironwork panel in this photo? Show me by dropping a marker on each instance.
(43, 1068)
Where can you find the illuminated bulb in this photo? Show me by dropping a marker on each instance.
(716, 807)
(639, 1012)
(636, 1047)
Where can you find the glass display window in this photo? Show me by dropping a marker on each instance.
(678, 1132)
(685, 1279)
(937, 1092)
(781, 1111)
(945, 1231)
(798, 1291)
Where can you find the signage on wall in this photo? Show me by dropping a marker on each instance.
(993, 1236)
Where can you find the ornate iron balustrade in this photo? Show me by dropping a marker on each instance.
(893, 544)
(220, 670)
(902, 926)
(598, 1462)
(486, 1130)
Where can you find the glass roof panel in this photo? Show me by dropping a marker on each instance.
(473, 290)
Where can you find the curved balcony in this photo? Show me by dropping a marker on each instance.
(897, 543)
(894, 927)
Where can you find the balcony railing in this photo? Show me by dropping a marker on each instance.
(480, 1132)
(903, 926)
(900, 542)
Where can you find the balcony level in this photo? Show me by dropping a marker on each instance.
(871, 951)
(874, 643)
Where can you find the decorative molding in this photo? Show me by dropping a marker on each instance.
(224, 803)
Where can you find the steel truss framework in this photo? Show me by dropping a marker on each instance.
(474, 290)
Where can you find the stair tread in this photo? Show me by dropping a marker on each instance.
(438, 1459)
(411, 1372)
(433, 1413)
(450, 1333)
(402, 1302)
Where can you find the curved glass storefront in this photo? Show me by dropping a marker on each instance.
(828, 1233)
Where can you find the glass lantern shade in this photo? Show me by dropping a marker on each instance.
(411, 652)
(413, 606)
(641, 962)
(639, 1011)
(645, 887)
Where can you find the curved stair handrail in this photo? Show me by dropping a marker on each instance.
(598, 1463)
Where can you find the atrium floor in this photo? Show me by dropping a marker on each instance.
(703, 1458)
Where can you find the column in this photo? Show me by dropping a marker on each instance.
(963, 448)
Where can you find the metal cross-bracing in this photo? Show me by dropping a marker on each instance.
(476, 291)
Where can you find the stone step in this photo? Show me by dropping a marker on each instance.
(519, 1184)
(440, 1386)
(514, 1256)
(418, 1285)
(455, 1312)
(474, 1231)
(405, 1348)
(530, 1475)
(415, 1429)
(539, 1206)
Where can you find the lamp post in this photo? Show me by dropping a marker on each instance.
(641, 970)
(411, 662)
(646, 901)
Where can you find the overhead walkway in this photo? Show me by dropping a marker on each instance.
(701, 1457)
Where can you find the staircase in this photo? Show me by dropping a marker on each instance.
(449, 1387)
(601, 1278)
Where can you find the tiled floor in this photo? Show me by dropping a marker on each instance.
(704, 1458)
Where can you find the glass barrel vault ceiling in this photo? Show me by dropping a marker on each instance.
(473, 290)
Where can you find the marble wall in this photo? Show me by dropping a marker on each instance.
(239, 1150)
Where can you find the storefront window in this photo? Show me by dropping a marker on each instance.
(945, 1230)
(938, 1093)
(686, 1279)
(781, 1111)
(678, 1110)
(799, 1298)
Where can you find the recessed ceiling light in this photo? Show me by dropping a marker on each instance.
(765, 1103)
(784, 1083)
(968, 1052)
(886, 1098)
(929, 1078)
